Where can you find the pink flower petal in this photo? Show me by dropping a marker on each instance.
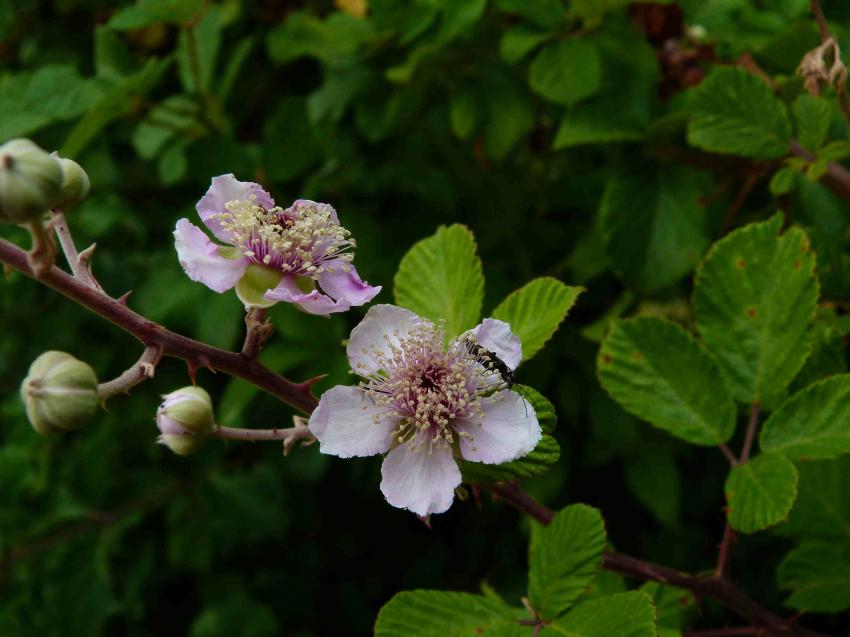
(345, 285)
(201, 260)
(509, 430)
(313, 302)
(226, 188)
(421, 481)
(496, 336)
(344, 423)
(382, 327)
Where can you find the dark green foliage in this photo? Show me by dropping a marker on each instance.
(559, 144)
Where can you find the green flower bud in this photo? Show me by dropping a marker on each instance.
(75, 183)
(185, 418)
(30, 181)
(256, 281)
(60, 393)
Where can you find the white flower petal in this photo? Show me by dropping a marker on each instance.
(496, 336)
(226, 188)
(509, 430)
(383, 326)
(201, 260)
(341, 282)
(420, 481)
(344, 424)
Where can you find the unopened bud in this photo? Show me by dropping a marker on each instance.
(60, 393)
(75, 183)
(185, 418)
(30, 181)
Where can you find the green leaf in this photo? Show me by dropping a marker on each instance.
(754, 297)
(822, 508)
(812, 117)
(459, 18)
(463, 113)
(813, 424)
(197, 52)
(675, 607)
(658, 372)
(440, 278)
(653, 226)
(446, 614)
(761, 492)
(548, 14)
(564, 558)
(782, 181)
(818, 574)
(735, 112)
(654, 479)
(147, 12)
(510, 117)
(624, 615)
(536, 310)
(116, 102)
(519, 41)
(566, 72)
(332, 40)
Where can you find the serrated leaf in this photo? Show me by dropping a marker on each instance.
(812, 117)
(818, 574)
(761, 492)
(735, 112)
(624, 615)
(822, 508)
(754, 297)
(653, 225)
(658, 372)
(446, 614)
(813, 424)
(440, 278)
(564, 558)
(674, 607)
(536, 310)
(566, 72)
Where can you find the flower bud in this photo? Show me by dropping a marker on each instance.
(185, 418)
(30, 181)
(60, 393)
(75, 183)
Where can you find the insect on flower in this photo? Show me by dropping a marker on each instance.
(427, 402)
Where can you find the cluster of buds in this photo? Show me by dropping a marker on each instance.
(32, 181)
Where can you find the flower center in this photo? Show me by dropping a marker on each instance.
(428, 386)
(300, 240)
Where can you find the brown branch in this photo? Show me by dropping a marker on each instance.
(257, 332)
(142, 370)
(196, 354)
(728, 454)
(717, 588)
(80, 263)
(290, 436)
(752, 428)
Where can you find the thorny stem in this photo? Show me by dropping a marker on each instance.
(258, 330)
(142, 370)
(195, 353)
(291, 436)
(80, 263)
(42, 255)
(718, 588)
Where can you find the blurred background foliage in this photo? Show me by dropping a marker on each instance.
(555, 130)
